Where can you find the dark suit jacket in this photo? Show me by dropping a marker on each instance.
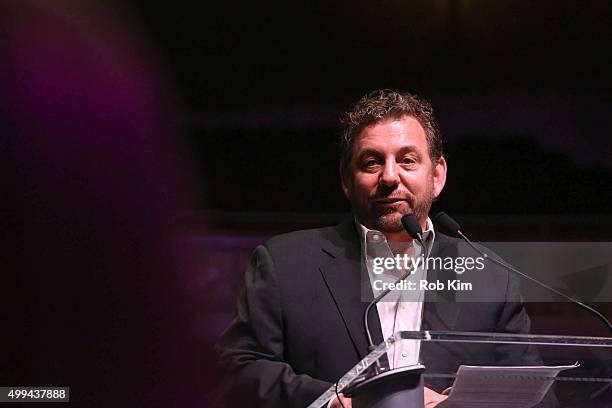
(299, 323)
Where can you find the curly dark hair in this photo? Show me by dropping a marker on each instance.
(387, 104)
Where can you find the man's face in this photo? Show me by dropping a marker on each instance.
(391, 174)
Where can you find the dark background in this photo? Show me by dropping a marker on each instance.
(152, 146)
(520, 90)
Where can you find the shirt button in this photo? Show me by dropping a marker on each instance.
(404, 354)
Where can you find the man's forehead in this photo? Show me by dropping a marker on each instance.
(401, 132)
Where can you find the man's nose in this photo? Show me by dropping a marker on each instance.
(389, 176)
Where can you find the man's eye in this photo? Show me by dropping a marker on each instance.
(408, 160)
(369, 162)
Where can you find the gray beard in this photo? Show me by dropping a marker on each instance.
(393, 224)
(389, 223)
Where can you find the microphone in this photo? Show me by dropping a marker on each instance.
(411, 225)
(449, 226)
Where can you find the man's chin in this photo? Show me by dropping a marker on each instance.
(389, 223)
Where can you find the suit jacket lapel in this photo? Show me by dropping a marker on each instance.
(349, 285)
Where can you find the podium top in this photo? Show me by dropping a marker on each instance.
(501, 338)
(593, 353)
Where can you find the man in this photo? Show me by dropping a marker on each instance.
(299, 324)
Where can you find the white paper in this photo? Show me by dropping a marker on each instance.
(501, 387)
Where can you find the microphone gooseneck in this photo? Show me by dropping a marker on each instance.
(449, 226)
(411, 225)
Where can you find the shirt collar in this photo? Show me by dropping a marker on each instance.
(363, 232)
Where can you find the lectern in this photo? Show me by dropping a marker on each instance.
(585, 382)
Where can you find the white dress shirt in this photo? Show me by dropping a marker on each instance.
(398, 310)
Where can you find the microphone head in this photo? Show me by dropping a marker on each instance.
(446, 224)
(411, 225)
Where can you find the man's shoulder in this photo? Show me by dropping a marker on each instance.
(496, 276)
(314, 237)
(328, 239)
(302, 250)
(446, 239)
(305, 235)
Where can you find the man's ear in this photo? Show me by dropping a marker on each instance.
(439, 176)
(344, 178)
